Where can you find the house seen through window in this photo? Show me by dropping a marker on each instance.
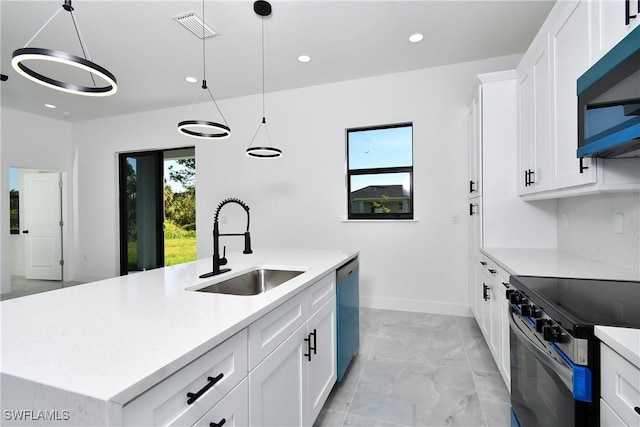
(380, 172)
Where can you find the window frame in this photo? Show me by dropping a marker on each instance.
(375, 171)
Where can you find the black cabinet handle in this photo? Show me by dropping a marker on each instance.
(470, 209)
(195, 396)
(492, 271)
(506, 285)
(218, 424)
(308, 353)
(314, 342)
(483, 263)
(582, 166)
(526, 178)
(485, 292)
(627, 12)
(471, 189)
(637, 409)
(25, 231)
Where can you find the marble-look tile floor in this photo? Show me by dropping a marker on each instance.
(21, 287)
(418, 369)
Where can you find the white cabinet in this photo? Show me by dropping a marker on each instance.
(534, 122)
(609, 25)
(188, 394)
(278, 386)
(289, 384)
(619, 388)
(569, 43)
(475, 146)
(232, 411)
(493, 321)
(574, 36)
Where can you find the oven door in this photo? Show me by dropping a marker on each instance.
(541, 381)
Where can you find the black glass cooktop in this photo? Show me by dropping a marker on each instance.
(583, 303)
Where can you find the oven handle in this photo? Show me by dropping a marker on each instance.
(565, 373)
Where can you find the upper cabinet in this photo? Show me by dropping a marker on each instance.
(475, 146)
(569, 59)
(548, 106)
(611, 21)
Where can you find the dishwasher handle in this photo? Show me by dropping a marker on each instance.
(347, 269)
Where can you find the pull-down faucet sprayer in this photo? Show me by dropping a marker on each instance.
(217, 260)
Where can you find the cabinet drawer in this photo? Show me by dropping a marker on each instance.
(166, 402)
(268, 332)
(608, 418)
(231, 411)
(322, 291)
(620, 385)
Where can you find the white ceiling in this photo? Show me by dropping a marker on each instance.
(150, 54)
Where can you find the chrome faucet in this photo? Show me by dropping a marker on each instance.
(217, 260)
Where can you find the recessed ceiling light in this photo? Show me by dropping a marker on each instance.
(415, 38)
(304, 58)
(49, 105)
(191, 79)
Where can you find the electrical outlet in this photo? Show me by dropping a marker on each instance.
(618, 223)
(564, 220)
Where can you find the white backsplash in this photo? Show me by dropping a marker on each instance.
(587, 227)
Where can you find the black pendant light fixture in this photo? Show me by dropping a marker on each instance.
(205, 129)
(263, 8)
(34, 54)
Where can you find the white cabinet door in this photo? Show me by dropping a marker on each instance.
(322, 364)
(278, 385)
(526, 141)
(609, 25)
(569, 60)
(475, 146)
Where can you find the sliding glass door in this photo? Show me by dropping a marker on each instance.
(141, 211)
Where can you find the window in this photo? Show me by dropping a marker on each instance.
(380, 172)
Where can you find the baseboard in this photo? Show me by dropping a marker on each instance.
(417, 306)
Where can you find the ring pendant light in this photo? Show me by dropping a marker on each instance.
(22, 56)
(263, 8)
(205, 129)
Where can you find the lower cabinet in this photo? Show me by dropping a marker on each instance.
(231, 411)
(184, 397)
(290, 385)
(492, 312)
(619, 390)
(278, 386)
(289, 354)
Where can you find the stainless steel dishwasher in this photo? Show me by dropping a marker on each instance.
(348, 315)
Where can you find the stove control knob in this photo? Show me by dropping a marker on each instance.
(517, 298)
(540, 323)
(529, 310)
(551, 333)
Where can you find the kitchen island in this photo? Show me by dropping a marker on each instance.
(82, 353)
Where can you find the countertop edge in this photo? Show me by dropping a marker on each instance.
(624, 341)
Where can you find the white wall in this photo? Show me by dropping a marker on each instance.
(300, 199)
(591, 228)
(33, 142)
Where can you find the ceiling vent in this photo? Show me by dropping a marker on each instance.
(194, 23)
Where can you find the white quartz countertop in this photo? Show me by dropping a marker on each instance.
(553, 263)
(625, 341)
(113, 339)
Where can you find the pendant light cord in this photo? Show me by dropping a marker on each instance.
(85, 51)
(263, 109)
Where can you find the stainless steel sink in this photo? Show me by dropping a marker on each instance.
(252, 283)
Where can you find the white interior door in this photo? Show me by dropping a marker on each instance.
(42, 229)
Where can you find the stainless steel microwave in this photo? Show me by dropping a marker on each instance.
(609, 103)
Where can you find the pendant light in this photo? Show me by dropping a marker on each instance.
(35, 54)
(263, 8)
(205, 129)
